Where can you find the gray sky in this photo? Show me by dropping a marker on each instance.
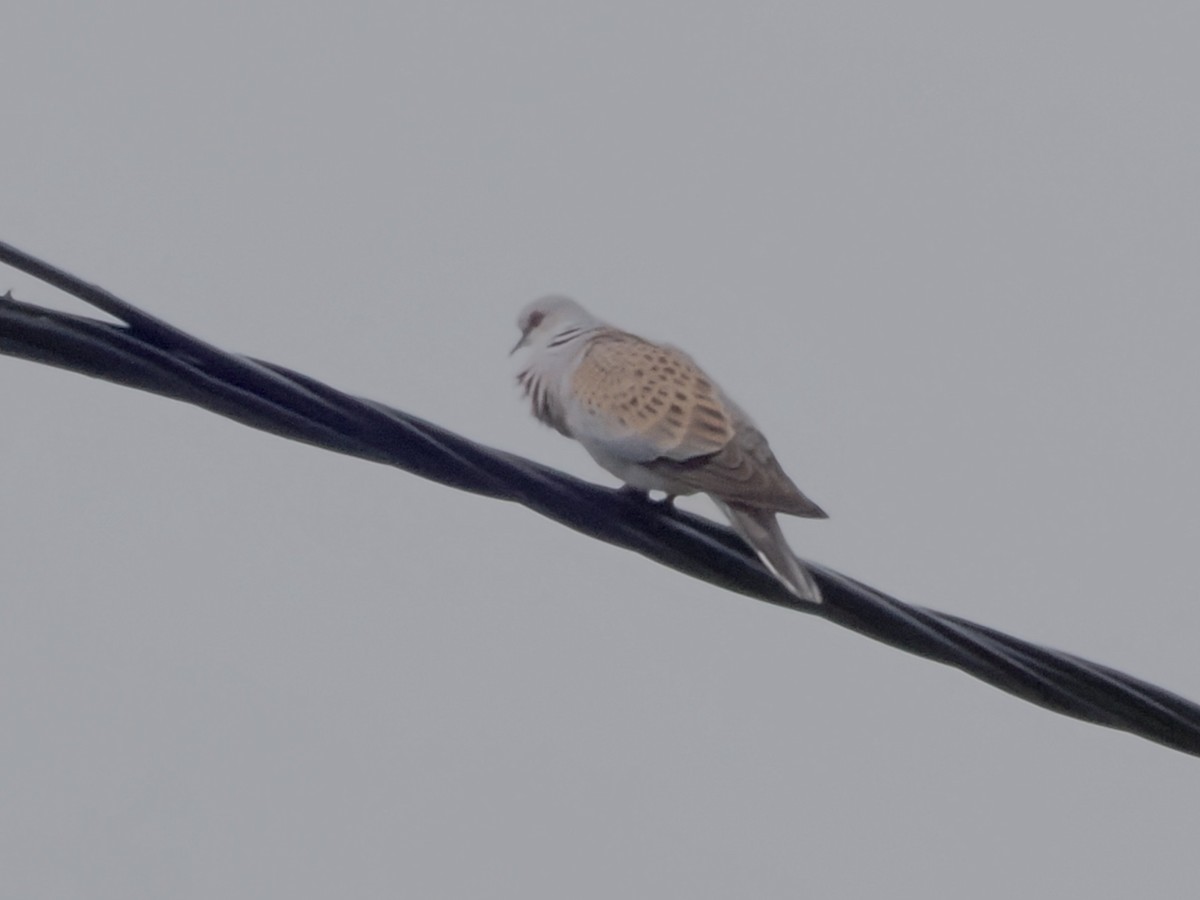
(945, 254)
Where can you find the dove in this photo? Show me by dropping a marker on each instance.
(650, 416)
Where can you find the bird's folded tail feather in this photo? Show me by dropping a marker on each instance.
(760, 529)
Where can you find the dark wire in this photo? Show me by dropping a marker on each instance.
(151, 355)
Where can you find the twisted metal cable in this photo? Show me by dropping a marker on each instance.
(149, 354)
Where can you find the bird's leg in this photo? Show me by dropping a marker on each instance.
(628, 490)
(634, 493)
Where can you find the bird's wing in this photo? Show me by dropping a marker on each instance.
(644, 401)
(743, 472)
(652, 405)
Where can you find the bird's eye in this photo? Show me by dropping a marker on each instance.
(535, 318)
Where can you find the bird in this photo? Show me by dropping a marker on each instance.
(648, 414)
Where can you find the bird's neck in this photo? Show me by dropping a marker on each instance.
(546, 376)
(542, 381)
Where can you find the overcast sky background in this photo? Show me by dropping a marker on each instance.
(946, 254)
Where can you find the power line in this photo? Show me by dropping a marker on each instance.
(151, 355)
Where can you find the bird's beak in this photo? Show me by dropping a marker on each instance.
(521, 343)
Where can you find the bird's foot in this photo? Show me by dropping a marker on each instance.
(635, 493)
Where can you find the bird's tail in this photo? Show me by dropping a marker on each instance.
(760, 529)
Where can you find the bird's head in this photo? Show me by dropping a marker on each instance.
(552, 319)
